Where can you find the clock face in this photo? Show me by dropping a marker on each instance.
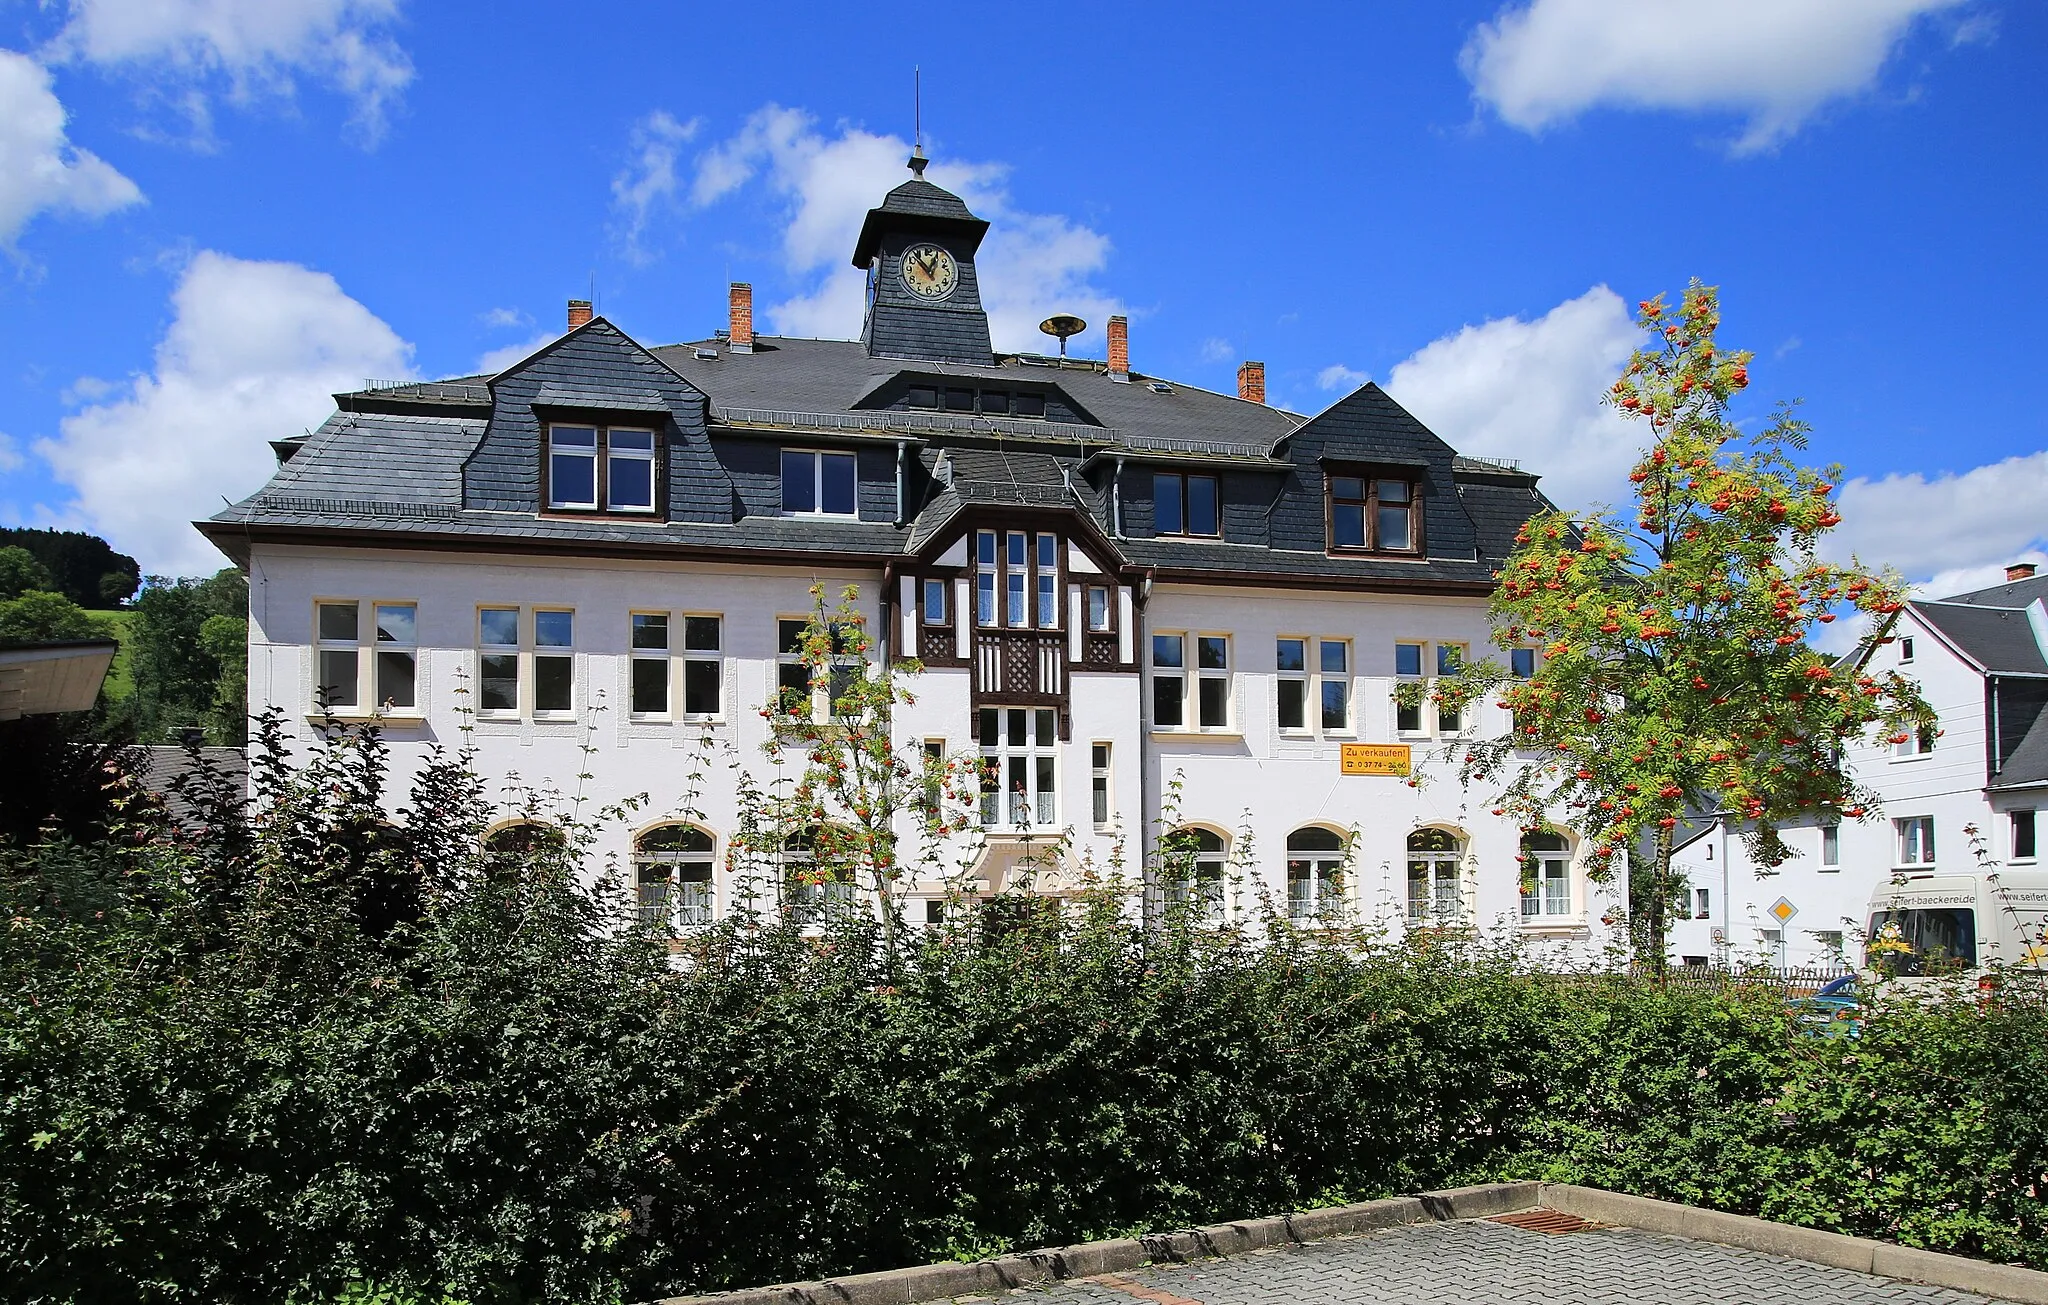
(929, 272)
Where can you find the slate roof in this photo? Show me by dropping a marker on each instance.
(2028, 764)
(1998, 639)
(2009, 593)
(461, 463)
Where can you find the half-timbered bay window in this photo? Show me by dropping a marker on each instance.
(600, 467)
(390, 661)
(818, 483)
(1436, 889)
(1019, 767)
(1184, 504)
(1016, 579)
(1373, 514)
(1547, 864)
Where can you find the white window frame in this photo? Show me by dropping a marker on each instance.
(1420, 676)
(1913, 841)
(808, 904)
(1303, 676)
(613, 456)
(1340, 678)
(368, 649)
(2012, 835)
(590, 455)
(1102, 782)
(1045, 576)
(817, 457)
(1703, 904)
(555, 652)
(988, 579)
(672, 903)
(1323, 876)
(1004, 758)
(1108, 621)
(1919, 744)
(1906, 650)
(352, 646)
(1553, 871)
(1429, 718)
(1177, 673)
(1830, 847)
(1216, 675)
(694, 657)
(934, 614)
(638, 655)
(516, 650)
(1443, 880)
(1208, 877)
(792, 657)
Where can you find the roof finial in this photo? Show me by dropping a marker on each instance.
(917, 158)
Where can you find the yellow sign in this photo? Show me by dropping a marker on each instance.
(1375, 759)
(1782, 911)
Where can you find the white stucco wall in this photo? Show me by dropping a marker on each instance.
(1247, 775)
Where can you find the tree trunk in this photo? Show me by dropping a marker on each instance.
(1660, 891)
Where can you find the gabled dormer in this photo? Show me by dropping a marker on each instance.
(593, 425)
(924, 298)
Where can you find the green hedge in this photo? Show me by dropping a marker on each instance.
(310, 1050)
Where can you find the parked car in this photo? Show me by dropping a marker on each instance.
(1835, 1010)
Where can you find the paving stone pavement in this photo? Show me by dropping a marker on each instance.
(1489, 1263)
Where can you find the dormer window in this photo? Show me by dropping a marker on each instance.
(593, 468)
(816, 483)
(1373, 514)
(1185, 505)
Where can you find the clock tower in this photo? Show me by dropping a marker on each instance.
(924, 300)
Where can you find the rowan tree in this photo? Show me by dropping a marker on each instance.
(1675, 672)
(859, 786)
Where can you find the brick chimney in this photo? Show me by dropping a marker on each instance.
(1119, 349)
(1251, 382)
(2020, 571)
(579, 312)
(740, 327)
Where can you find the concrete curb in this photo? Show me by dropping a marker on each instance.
(1933, 1268)
(942, 1281)
(934, 1282)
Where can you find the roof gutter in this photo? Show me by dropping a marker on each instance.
(1116, 503)
(901, 447)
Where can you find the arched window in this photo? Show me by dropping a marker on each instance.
(1315, 868)
(1435, 877)
(510, 847)
(672, 868)
(1549, 892)
(813, 888)
(1198, 854)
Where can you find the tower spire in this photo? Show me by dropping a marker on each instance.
(917, 158)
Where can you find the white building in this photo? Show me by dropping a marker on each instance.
(1981, 660)
(1118, 585)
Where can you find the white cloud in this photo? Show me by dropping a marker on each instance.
(1031, 265)
(10, 453)
(502, 318)
(647, 185)
(40, 170)
(1339, 377)
(1216, 349)
(257, 46)
(1510, 388)
(254, 353)
(1776, 62)
(1948, 529)
(498, 359)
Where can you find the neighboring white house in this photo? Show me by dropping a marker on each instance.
(1981, 660)
(1119, 585)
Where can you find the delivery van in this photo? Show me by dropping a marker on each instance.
(1926, 924)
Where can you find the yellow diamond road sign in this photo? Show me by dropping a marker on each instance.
(1782, 911)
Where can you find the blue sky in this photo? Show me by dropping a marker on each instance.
(214, 212)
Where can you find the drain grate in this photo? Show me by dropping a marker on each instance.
(1545, 1221)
